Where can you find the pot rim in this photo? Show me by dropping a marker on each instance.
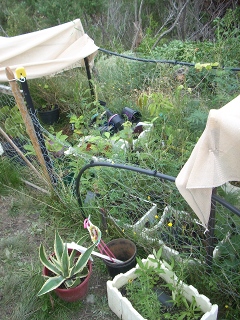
(117, 265)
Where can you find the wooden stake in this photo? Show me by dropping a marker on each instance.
(28, 122)
(35, 187)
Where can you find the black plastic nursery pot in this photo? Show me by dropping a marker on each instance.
(49, 117)
(124, 250)
(133, 115)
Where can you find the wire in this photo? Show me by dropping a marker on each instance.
(153, 173)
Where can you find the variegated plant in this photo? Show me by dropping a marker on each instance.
(67, 269)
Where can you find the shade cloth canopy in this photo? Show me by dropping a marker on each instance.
(214, 159)
(47, 51)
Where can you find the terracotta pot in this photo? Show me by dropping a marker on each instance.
(73, 294)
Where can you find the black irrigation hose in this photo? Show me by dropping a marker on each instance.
(148, 172)
(175, 62)
(119, 166)
(226, 204)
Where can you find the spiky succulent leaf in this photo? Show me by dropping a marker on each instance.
(58, 246)
(46, 262)
(82, 261)
(56, 262)
(76, 280)
(83, 239)
(65, 262)
(72, 283)
(51, 284)
(83, 273)
(72, 258)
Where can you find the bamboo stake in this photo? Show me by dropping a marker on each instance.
(28, 122)
(35, 187)
(3, 133)
(82, 249)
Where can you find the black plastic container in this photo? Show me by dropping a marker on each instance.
(133, 115)
(124, 250)
(49, 116)
(115, 121)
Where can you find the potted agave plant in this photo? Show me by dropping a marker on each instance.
(67, 271)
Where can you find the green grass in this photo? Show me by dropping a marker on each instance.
(34, 221)
(178, 111)
(9, 176)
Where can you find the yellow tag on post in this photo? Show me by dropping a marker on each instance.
(21, 73)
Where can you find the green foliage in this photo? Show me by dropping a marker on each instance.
(77, 124)
(144, 298)
(197, 120)
(13, 122)
(119, 79)
(66, 268)
(156, 104)
(57, 12)
(227, 35)
(15, 15)
(126, 134)
(94, 6)
(4, 113)
(178, 109)
(10, 176)
(178, 50)
(46, 92)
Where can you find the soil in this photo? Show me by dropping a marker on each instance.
(94, 305)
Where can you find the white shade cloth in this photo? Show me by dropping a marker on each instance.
(47, 51)
(214, 161)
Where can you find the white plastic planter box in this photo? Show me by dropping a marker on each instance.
(123, 308)
(148, 233)
(1, 149)
(230, 188)
(167, 251)
(149, 216)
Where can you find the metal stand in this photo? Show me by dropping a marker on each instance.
(89, 77)
(210, 232)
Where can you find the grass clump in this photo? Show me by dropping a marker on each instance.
(9, 177)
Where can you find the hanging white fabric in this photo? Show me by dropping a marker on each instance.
(214, 159)
(47, 51)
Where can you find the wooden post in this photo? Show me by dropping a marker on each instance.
(21, 74)
(28, 122)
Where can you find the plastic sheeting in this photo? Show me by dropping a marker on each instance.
(214, 159)
(47, 51)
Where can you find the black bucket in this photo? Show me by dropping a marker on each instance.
(49, 117)
(124, 250)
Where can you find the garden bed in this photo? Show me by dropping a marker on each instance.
(124, 309)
